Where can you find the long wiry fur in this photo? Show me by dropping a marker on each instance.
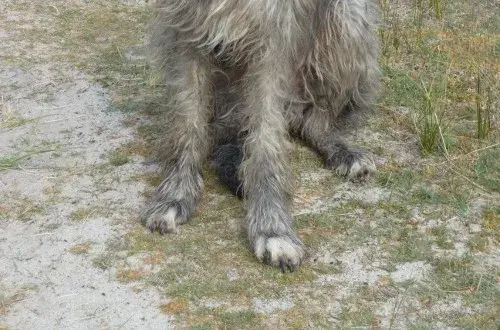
(246, 73)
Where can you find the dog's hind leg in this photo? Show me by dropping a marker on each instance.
(183, 147)
(342, 81)
(325, 138)
(226, 160)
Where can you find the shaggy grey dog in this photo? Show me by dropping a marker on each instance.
(242, 76)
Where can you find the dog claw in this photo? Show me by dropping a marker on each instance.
(283, 266)
(287, 265)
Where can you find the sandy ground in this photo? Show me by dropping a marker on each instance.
(68, 122)
(64, 205)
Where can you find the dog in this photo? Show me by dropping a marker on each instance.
(244, 75)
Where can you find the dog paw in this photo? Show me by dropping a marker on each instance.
(355, 165)
(163, 222)
(362, 168)
(280, 251)
(165, 217)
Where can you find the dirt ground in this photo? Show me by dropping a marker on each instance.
(417, 247)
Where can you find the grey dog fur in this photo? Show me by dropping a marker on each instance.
(251, 72)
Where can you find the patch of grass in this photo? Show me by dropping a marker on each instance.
(487, 319)
(487, 170)
(358, 315)
(7, 301)
(219, 319)
(152, 179)
(151, 131)
(24, 209)
(446, 60)
(426, 93)
(111, 257)
(443, 238)
(260, 281)
(478, 243)
(303, 157)
(53, 193)
(29, 209)
(92, 37)
(491, 221)
(429, 123)
(401, 89)
(87, 28)
(8, 117)
(202, 326)
(82, 248)
(234, 320)
(137, 147)
(52, 190)
(122, 155)
(461, 202)
(11, 161)
(457, 284)
(126, 275)
(104, 261)
(400, 180)
(130, 106)
(127, 106)
(459, 275)
(180, 279)
(455, 274)
(83, 214)
(398, 209)
(390, 34)
(175, 307)
(118, 158)
(334, 219)
(426, 195)
(315, 229)
(410, 245)
(483, 109)
(437, 6)
(8, 162)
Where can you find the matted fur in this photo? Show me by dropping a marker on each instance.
(247, 73)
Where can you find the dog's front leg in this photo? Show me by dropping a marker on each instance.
(266, 171)
(183, 147)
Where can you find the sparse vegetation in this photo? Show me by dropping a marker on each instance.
(24, 209)
(129, 275)
(429, 124)
(432, 206)
(8, 117)
(82, 248)
(151, 179)
(176, 307)
(6, 301)
(10, 161)
(118, 158)
(487, 170)
(87, 213)
(426, 102)
(483, 109)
